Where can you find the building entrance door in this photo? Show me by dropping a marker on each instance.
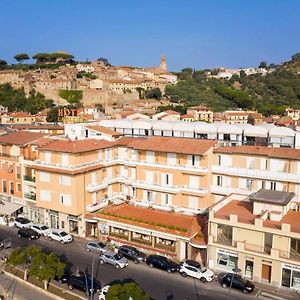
(266, 272)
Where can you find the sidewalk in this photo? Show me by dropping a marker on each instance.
(265, 291)
(17, 290)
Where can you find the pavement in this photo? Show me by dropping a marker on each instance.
(158, 284)
(14, 289)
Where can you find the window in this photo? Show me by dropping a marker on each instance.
(65, 159)
(4, 188)
(171, 159)
(65, 180)
(249, 184)
(194, 182)
(45, 195)
(219, 180)
(150, 156)
(193, 160)
(65, 199)
(166, 199)
(94, 180)
(19, 187)
(45, 177)
(273, 185)
(193, 202)
(62, 224)
(48, 157)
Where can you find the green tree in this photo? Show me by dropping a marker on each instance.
(141, 92)
(21, 57)
(104, 61)
(263, 65)
(125, 291)
(42, 58)
(3, 64)
(153, 93)
(46, 267)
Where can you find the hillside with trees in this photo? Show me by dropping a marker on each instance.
(269, 94)
(16, 100)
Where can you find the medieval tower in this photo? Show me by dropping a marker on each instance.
(163, 63)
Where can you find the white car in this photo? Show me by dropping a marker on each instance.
(60, 236)
(205, 275)
(22, 222)
(103, 292)
(41, 229)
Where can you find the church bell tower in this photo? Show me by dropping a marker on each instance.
(163, 63)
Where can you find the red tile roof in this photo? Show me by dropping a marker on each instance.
(168, 222)
(169, 144)
(21, 137)
(77, 146)
(260, 150)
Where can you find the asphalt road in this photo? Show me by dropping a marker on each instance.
(158, 284)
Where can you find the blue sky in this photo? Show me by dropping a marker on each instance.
(192, 33)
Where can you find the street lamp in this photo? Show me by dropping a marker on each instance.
(235, 270)
(86, 283)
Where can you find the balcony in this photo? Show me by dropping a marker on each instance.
(188, 189)
(96, 206)
(292, 254)
(254, 173)
(222, 240)
(257, 248)
(29, 178)
(30, 196)
(173, 189)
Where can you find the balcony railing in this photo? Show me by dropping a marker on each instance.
(29, 178)
(292, 254)
(221, 239)
(30, 196)
(96, 206)
(258, 248)
(165, 247)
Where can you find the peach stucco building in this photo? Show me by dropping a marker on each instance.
(259, 234)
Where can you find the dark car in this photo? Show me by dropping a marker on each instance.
(28, 233)
(236, 282)
(163, 263)
(64, 277)
(132, 253)
(84, 283)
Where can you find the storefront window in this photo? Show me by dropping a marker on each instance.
(291, 278)
(249, 268)
(296, 279)
(226, 262)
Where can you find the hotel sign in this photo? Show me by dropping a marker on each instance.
(69, 115)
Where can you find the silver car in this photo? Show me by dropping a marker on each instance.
(114, 259)
(96, 247)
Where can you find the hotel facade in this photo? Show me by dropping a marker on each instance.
(153, 192)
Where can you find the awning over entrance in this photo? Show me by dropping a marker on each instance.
(8, 208)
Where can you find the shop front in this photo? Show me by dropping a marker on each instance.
(226, 260)
(290, 276)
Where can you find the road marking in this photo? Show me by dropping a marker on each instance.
(265, 295)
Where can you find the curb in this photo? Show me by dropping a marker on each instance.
(43, 291)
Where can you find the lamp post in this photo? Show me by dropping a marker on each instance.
(235, 270)
(86, 283)
(92, 283)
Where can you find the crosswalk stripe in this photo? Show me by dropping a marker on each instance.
(264, 295)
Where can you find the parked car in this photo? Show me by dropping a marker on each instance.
(41, 229)
(194, 269)
(132, 253)
(97, 247)
(22, 222)
(103, 292)
(64, 278)
(84, 283)
(114, 259)
(60, 236)
(28, 233)
(236, 282)
(161, 262)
